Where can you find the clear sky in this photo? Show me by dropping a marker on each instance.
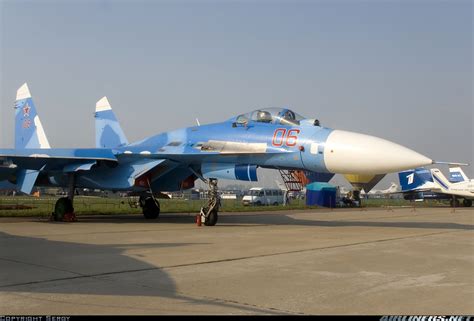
(400, 70)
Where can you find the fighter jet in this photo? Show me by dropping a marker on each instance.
(424, 183)
(276, 138)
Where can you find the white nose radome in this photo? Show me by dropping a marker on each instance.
(353, 153)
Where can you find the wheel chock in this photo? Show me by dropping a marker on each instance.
(70, 217)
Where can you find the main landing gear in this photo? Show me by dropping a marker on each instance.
(209, 213)
(150, 206)
(457, 203)
(63, 209)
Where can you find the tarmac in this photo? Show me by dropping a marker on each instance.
(347, 261)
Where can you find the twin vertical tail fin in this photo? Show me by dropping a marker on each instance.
(29, 132)
(108, 133)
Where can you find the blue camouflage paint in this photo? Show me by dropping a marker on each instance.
(109, 133)
(275, 157)
(26, 135)
(317, 135)
(229, 171)
(177, 154)
(26, 179)
(246, 173)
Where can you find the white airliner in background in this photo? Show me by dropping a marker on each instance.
(392, 189)
(460, 185)
(423, 183)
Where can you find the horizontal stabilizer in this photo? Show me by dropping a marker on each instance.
(66, 153)
(56, 158)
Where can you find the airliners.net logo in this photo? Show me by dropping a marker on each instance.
(426, 318)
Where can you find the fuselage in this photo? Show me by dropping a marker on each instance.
(265, 145)
(246, 140)
(462, 189)
(275, 138)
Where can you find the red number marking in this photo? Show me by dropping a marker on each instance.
(291, 140)
(277, 138)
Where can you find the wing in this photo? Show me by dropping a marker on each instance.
(26, 164)
(99, 168)
(54, 158)
(126, 170)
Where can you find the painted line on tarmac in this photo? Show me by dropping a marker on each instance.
(80, 276)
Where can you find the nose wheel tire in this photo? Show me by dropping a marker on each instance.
(212, 218)
(151, 208)
(467, 203)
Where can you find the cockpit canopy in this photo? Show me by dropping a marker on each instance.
(272, 115)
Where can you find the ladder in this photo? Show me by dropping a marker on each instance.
(294, 180)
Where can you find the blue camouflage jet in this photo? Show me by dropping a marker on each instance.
(276, 138)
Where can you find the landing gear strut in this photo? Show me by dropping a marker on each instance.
(208, 213)
(454, 202)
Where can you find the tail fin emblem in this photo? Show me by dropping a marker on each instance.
(26, 123)
(26, 111)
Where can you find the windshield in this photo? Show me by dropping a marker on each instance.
(273, 115)
(256, 193)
